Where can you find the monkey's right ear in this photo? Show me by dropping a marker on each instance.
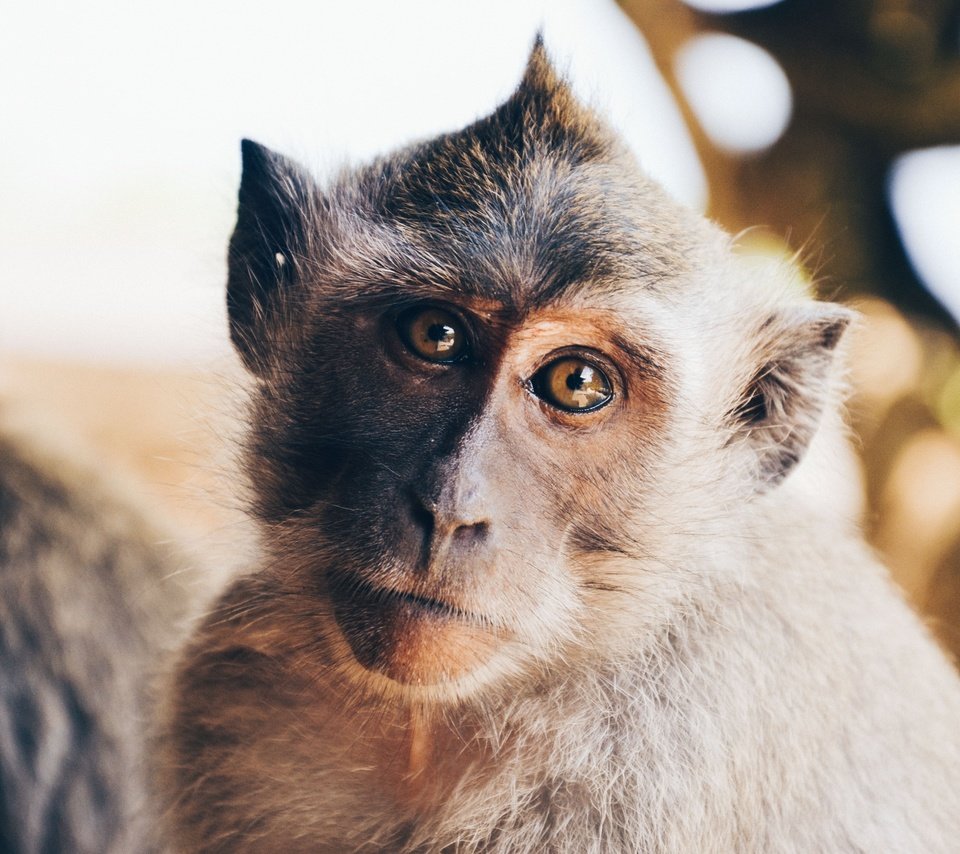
(781, 406)
(270, 241)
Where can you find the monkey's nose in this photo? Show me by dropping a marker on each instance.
(447, 525)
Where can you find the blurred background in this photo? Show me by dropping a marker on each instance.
(825, 131)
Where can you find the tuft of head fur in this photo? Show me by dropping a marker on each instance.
(632, 629)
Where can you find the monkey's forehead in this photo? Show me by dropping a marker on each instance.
(537, 199)
(518, 233)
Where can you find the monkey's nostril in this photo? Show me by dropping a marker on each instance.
(423, 518)
(470, 532)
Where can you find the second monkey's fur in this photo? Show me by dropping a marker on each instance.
(668, 636)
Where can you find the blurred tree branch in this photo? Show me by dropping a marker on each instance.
(889, 68)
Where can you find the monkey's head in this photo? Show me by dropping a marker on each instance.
(508, 395)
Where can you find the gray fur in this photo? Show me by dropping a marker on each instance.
(89, 599)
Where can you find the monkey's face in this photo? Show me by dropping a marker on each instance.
(443, 472)
(451, 417)
(496, 413)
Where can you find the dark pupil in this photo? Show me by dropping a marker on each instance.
(575, 380)
(439, 332)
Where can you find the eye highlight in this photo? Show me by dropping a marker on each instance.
(433, 334)
(573, 385)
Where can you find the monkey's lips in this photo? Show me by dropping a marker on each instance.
(412, 639)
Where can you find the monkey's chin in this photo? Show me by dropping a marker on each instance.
(411, 640)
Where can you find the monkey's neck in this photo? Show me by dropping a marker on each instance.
(425, 756)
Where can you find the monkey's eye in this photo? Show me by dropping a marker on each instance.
(433, 334)
(573, 384)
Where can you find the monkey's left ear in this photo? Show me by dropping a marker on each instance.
(275, 217)
(781, 406)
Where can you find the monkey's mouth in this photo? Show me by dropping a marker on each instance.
(410, 638)
(351, 589)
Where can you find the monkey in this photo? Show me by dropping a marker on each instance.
(551, 558)
(92, 592)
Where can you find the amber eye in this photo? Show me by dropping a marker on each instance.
(433, 334)
(573, 384)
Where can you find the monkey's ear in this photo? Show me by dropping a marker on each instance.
(274, 218)
(781, 406)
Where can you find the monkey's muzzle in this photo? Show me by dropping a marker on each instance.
(415, 640)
